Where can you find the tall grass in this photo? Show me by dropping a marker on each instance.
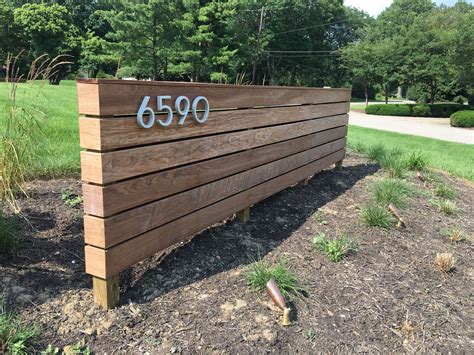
(21, 124)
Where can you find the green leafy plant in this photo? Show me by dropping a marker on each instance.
(15, 336)
(446, 206)
(260, 273)
(462, 119)
(70, 198)
(376, 216)
(386, 191)
(9, 237)
(416, 161)
(444, 191)
(335, 249)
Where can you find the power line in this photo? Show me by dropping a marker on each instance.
(307, 28)
(283, 52)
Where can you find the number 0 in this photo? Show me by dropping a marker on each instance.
(206, 109)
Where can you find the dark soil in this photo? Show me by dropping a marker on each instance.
(194, 298)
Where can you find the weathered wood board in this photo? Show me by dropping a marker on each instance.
(148, 188)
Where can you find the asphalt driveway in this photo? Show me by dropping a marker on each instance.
(437, 128)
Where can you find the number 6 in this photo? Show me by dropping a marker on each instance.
(144, 108)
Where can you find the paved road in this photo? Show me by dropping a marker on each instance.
(438, 128)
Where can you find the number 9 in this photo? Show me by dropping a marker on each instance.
(182, 113)
(206, 109)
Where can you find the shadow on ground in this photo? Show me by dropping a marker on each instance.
(233, 244)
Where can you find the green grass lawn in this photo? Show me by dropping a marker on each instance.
(58, 150)
(455, 158)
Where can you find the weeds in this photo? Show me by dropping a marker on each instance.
(395, 191)
(260, 272)
(445, 192)
(15, 337)
(445, 262)
(416, 161)
(446, 206)
(454, 234)
(376, 216)
(70, 198)
(335, 249)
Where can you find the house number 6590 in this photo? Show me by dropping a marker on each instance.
(182, 105)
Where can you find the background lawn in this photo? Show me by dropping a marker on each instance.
(58, 151)
(455, 158)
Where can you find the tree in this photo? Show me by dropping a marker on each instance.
(358, 58)
(48, 29)
(144, 36)
(9, 33)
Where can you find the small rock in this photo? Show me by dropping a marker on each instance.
(106, 324)
(88, 331)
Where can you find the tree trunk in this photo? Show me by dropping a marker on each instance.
(165, 69)
(386, 94)
(154, 55)
(366, 92)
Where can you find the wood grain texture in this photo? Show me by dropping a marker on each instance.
(104, 201)
(121, 97)
(106, 292)
(107, 232)
(105, 263)
(120, 132)
(103, 168)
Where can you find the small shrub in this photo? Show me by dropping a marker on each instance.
(444, 191)
(376, 216)
(446, 206)
(335, 249)
(455, 235)
(386, 191)
(459, 100)
(445, 262)
(70, 198)
(376, 152)
(360, 147)
(421, 111)
(416, 161)
(15, 337)
(446, 110)
(8, 234)
(389, 110)
(260, 273)
(462, 119)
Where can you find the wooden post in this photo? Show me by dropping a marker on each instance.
(106, 292)
(303, 182)
(339, 164)
(244, 215)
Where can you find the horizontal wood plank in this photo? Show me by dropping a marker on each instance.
(121, 97)
(103, 168)
(108, 134)
(104, 201)
(107, 232)
(106, 263)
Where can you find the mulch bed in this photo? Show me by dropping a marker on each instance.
(194, 298)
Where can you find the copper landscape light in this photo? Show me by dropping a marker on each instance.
(274, 292)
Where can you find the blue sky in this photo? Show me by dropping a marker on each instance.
(374, 7)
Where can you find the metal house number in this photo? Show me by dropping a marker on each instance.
(182, 106)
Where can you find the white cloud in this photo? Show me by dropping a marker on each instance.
(373, 7)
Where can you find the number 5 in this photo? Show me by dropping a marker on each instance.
(166, 108)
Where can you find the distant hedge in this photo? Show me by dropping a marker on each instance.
(435, 110)
(462, 119)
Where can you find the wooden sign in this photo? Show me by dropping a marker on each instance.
(165, 160)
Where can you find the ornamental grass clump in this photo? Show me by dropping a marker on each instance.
(445, 262)
(376, 216)
(335, 249)
(260, 272)
(390, 190)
